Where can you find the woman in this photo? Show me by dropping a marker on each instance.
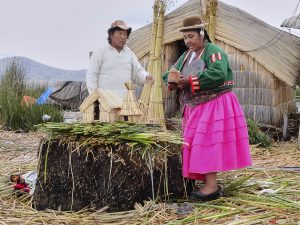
(214, 126)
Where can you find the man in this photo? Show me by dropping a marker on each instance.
(114, 64)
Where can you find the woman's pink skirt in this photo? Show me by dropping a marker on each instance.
(217, 137)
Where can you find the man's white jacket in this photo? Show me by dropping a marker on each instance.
(110, 69)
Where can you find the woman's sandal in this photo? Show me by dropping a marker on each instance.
(206, 197)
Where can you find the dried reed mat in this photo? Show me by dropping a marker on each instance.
(251, 196)
(280, 154)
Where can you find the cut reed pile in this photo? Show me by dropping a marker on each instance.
(135, 136)
(254, 196)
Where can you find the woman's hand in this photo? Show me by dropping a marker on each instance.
(184, 81)
(172, 86)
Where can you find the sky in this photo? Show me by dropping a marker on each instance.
(61, 33)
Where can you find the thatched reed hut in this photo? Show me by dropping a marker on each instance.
(68, 94)
(264, 59)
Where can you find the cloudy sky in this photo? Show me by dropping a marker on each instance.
(60, 33)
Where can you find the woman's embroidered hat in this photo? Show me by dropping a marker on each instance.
(192, 22)
(120, 24)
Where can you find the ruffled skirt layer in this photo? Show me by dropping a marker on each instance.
(217, 137)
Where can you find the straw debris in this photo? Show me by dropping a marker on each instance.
(243, 206)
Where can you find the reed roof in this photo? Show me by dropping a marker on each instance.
(108, 99)
(69, 94)
(278, 51)
(130, 105)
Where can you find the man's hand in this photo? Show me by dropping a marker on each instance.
(150, 79)
(183, 82)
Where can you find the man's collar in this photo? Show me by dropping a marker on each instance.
(123, 49)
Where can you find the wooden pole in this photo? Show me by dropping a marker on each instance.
(299, 138)
(285, 126)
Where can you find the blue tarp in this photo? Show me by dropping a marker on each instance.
(43, 98)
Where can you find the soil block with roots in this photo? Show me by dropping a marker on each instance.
(72, 177)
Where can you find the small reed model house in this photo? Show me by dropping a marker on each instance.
(101, 106)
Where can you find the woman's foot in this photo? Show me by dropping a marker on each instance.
(207, 193)
(209, 189)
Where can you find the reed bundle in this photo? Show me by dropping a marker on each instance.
(156, 106)
(144, 101)
(138, 135)
(152, 95)
(145, 95)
